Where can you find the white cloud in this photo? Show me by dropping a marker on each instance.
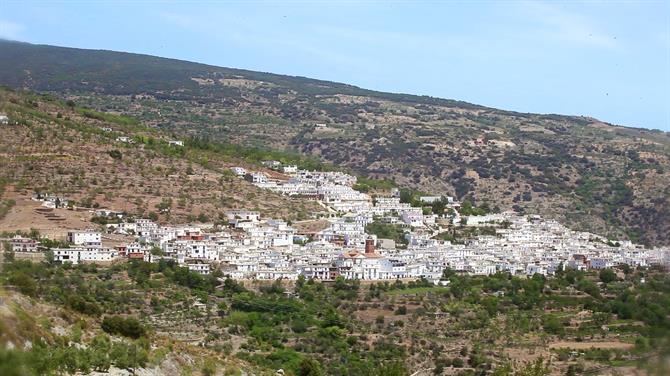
(10, 30)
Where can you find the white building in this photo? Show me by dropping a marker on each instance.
(199, 267)
(413, 218)
(238, 171)
(290, 169)
(78, 255)
(21, 244)
(243, 215)
(430, 199)
(257, 177)
(271, 164)
(602, 263)
(86, 238)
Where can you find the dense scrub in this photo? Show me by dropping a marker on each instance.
(348, 328)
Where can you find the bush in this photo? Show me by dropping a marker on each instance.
(309, 367)
(208, 368)
(553, 325)
(607, 275)
(402, 310)
(115, 154)
(25, 283)
(80, 304)
(127, 327)
(298, 326)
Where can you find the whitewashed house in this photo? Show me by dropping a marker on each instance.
(78, 255)
(413, 218)
(290, 169)
(257, 177)
(20, 244)
(238, 171)
(430, 199)
(85, 238)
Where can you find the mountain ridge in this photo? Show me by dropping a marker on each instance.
(232, 70)
(331, 82)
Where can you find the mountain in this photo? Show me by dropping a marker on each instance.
(594, 176)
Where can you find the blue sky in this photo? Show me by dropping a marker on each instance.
(610, 60)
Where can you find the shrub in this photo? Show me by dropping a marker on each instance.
(209, 368)
(25, 283)
(115, 154)
(309, 367)
(607, 276)
(127, 327)
(553, 325)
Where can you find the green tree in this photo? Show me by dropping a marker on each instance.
(24, 282)
(100, 347)
(607, 275)
(391, 369)
(309, 367)
(553, 325)
(127, 327)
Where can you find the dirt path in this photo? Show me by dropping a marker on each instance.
(588, 345)
(24, 217)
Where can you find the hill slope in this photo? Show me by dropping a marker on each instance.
(592, 175)
(63, 150)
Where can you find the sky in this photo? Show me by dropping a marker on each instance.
(606, 59)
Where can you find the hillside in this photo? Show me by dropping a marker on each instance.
(64, 334)
(159, 319)
(591, 175)
(58, 149)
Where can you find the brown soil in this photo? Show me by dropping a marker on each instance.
(589, 345)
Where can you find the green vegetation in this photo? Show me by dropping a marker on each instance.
(127, 327)
(387, 231)
(256, 155)
(607, 276)
(467, 208)
(115, 154)
(317, 328)
(5, 205)
(123, 120)
(59, 358)
(364, 184)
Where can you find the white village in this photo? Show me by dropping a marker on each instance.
(252, 247)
